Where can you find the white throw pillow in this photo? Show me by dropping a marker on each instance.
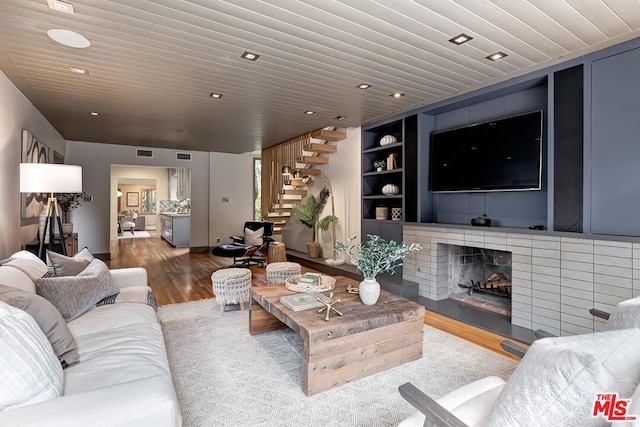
(253, 237)
(29, 369)
(557, 381)
(32, 268)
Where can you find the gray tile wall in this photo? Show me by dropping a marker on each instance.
(556, 279)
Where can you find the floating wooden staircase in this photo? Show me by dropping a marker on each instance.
(313, 156)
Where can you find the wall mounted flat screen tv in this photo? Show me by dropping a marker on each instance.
(501, 155)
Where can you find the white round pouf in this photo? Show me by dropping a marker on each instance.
(231, 286)
(277, 272)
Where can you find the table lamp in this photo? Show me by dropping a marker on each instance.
(50, 178)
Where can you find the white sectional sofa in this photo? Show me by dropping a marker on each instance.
(123, 377)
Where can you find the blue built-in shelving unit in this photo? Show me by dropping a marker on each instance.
(591, 151)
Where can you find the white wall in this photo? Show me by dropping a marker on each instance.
(344, 173)
(92, 220)
(16, 114)
(159, 174)
(232, 179)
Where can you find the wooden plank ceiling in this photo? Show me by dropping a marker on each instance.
(153, 64)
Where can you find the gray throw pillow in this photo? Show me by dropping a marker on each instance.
(66, 266)
(75, 295)
(84, 254)
(49, 320)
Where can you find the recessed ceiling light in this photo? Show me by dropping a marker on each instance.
(61, 6)
(397, 94)
(309, 112)
(69, 38)
(338, 118)
(79, 70)
(94, 113)
(250, 56)
(215, 95)
(461, 38)
(363, 86)
(184, 131)
(496, 56)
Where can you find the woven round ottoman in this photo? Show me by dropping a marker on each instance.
(277, 272)
(231, 286)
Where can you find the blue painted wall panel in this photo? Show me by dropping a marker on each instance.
(509, 209)
(615, 145)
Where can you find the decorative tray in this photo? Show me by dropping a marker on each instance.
(327, 283)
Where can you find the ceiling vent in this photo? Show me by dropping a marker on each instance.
(144, 153)
(183, 156)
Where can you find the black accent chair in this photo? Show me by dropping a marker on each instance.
(243, 254)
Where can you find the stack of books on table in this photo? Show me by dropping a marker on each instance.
(310, 278)
(304, 301)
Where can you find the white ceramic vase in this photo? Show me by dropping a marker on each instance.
(369, 291)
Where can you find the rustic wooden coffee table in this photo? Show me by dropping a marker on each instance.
(365, 340)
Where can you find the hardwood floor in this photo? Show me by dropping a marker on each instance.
(176, 275)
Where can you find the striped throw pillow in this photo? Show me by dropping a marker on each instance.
(29, 369)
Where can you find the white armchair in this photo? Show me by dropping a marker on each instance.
(555, 384)
(626, 314)
(129, 222)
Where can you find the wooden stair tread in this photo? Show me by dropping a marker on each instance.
(295, 192)
(281, 209)
(329, 135)
(278, 216)
(276, 231)
(309, 171)
(313, 160)
(288, 201)
(321, 148)
(299, 183)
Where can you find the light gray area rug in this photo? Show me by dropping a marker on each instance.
(226, 377)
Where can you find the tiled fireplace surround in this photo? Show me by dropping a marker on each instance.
(556, 277)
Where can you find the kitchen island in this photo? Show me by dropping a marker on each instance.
(176, 228)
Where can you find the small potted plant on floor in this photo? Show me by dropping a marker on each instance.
(308, 212)
(373, 257)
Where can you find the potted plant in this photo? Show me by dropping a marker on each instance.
(373, 257)
(308, 212)
(379, 164)
(67, 202)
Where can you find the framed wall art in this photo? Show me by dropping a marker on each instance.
(133, 198)
(35, 151)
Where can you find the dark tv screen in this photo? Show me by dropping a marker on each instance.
(501, 155)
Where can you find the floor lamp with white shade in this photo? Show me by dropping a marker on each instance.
(50, 178)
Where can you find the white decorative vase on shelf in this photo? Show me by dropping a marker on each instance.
(369, 291)
(388, 139)
(390, 189)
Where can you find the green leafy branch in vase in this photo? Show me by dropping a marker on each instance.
(376, 255)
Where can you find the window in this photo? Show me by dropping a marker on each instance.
(148, 200)
(257, 189)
